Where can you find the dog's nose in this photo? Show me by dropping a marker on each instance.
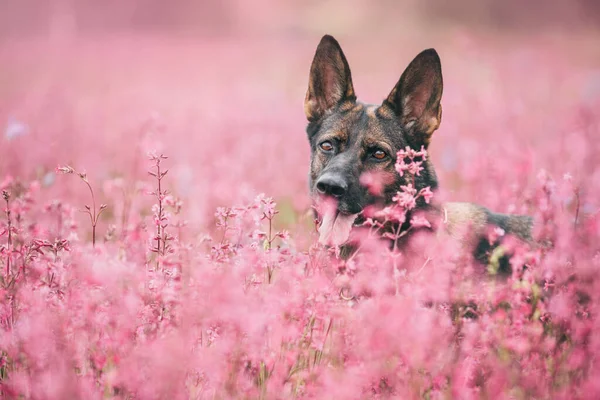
(332, 185)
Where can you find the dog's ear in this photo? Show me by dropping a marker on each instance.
(330, 82)
(416, 97)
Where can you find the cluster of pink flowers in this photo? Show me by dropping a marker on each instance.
(408, 165)
(413, 166)
(250, 310)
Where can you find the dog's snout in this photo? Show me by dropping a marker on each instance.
(333, 185)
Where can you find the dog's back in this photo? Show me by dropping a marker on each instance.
(477, 218)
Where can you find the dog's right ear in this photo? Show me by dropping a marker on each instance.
(330, 82)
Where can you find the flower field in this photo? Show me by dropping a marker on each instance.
(156, 239)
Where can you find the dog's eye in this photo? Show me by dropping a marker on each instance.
(326, 146)
(379, 154)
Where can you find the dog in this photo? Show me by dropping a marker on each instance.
(349, 138)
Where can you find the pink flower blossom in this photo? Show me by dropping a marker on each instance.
(419, 222)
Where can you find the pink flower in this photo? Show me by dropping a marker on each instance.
(373, 182)
(495, 233)
(258, 235)
(419, 222)
(426, 194)
(413, 167)
(405, 200)
(283, 235)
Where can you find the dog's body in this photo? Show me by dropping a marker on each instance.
(350, 139)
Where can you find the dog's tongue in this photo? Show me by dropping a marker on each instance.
(335, 227)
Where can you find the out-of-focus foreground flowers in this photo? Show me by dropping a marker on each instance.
(244, 312)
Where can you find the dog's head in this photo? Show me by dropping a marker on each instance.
(353, 143)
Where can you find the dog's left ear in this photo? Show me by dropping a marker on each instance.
(416, 97)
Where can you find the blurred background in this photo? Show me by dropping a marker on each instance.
(219, 87)
(30, 18)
